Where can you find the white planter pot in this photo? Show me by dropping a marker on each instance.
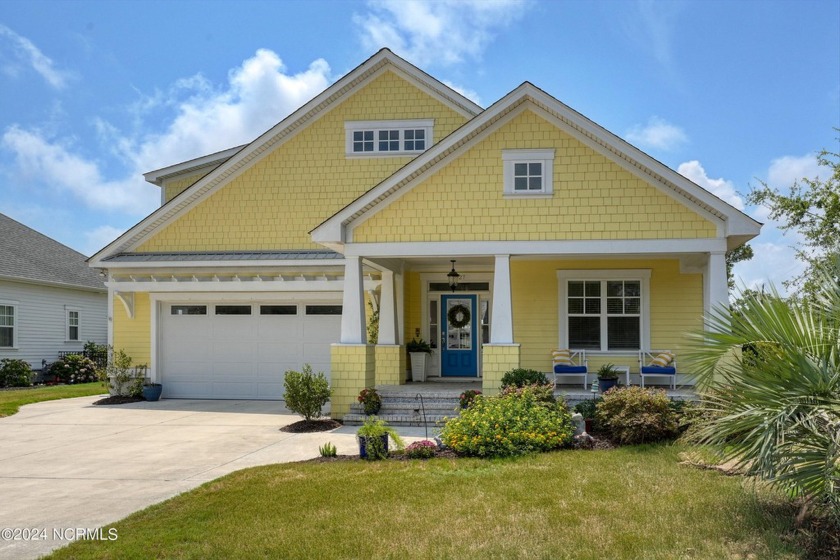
(418, 366)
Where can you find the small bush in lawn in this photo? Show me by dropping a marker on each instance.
(423, 449)
(328, 450)
(74, 368)
(520, 377)
(633, 415)
(514, 423)
(306, 393)
(15, 373)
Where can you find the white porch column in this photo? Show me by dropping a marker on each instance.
(717, 289)
(353, 329)
(399, 287)
(501, 320)
(387, 310)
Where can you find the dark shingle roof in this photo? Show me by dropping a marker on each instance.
(29, 255)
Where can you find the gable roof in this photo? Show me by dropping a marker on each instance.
(33, 257)
(158, 176)
(284, 130)
(737, 226)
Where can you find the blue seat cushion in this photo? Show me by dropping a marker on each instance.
(657, 370)
(560, 368)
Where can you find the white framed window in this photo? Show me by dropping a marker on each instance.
(380, 138)
(604, 310)
(8, 325)
(528, 172)
(73, 324)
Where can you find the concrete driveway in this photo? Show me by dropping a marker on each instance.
(67, 464)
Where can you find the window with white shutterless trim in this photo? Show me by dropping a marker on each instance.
(528, 172)
(387, 138)
(8, 325)
(73, 324)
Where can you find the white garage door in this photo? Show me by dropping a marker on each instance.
(236, 350)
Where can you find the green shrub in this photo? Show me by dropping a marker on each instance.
(514, 423)
(543, 393)
(587, 408)
(74, 368)
(306, 393)
(376, 432)
(328, 450)
(633, 415)
(520, 377)
(15, 373)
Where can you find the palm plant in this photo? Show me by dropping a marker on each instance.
(770, 379)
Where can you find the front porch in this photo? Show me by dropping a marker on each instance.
(428, 403)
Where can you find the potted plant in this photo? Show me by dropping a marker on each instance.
(373, 439)
(607, 377)
(370, 400)
(418, 350)
(152, 391)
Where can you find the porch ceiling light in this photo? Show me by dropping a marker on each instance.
(453, 277)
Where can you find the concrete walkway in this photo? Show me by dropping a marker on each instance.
(67, 464)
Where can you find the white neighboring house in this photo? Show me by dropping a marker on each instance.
(50, 300)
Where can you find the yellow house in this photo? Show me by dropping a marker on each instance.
(379, 192)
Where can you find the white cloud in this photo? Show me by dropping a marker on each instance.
(784, 171)
(99, 237)
(441, 31)
(27, 53)
(773, 264)
(658, 133)
(721, 188)
(468, 93)
(257, 95)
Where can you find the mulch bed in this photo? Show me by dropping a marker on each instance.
(304, 427)
(116, 399)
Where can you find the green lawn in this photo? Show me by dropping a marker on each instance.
(11, 401)
(634, 503)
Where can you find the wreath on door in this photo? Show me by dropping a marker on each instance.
(458, 316)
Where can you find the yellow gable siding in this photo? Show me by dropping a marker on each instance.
(676, 307)
(275, 203)
(593, 198)
(175, 186)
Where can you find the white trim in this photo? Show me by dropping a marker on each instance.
(641, 274)
(127, 299)
(336, 264)
(426, 125)
(614, 247)
(501, 313)
(19, 280)
(158, 176)
(231, 286)
(15, 305)
(67, 311)
(110, 317)
(545, 157)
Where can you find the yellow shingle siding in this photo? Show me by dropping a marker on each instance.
(676, 306)
(594, 198)
(134, 335)
(276, 202)
(175, 186)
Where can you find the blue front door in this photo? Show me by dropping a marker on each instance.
(459, 354)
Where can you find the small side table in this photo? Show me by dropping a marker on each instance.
(626, 370)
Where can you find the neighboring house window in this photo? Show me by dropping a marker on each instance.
(7, 325)
(73, 324)
(528, 172)
(604, 310)
(377, 138)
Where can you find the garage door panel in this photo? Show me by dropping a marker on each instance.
(241, 356)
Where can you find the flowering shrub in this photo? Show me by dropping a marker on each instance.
(371, 401)
(74, 368)
(543, 392)
(633, 415)
(467, 397)
(15, 373)
(513, 423)
(423, 449)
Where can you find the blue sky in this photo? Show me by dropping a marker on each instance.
(93, 94)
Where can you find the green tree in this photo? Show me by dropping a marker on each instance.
(811, 207)
(770, 379)
(739, 254)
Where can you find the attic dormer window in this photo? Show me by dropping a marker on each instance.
(387, 138)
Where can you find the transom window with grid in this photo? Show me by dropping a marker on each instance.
(387, 137)
(604, 313)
